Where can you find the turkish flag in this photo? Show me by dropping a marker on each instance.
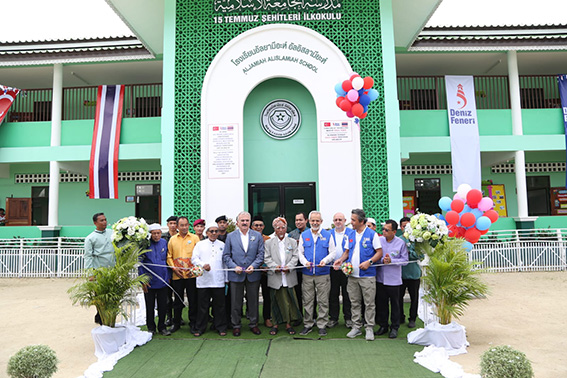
(6, 100)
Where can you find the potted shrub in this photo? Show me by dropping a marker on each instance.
(505, 362)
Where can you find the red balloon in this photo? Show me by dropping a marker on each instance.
(457, 205)
(354, 75)
(357, 110)
(467, 219)
(492, 215)
(452, 217)
(347, 85)
(484, 231)
(368, 82)
(472, 235)
(363, 115)
(473, 198)
(345, 105)
(339, 100)
(461, 232)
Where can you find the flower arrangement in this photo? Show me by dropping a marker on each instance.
(426, 231)
(347, 268)
(197, 271)
(131, 229)
(33, 361)
(505, 361)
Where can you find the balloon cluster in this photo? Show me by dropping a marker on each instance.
(469, 215)
(355, 94)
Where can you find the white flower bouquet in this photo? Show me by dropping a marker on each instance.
(131, 229)
(426, 231)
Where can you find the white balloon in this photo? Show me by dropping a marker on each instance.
(357, 83)
(463, 189)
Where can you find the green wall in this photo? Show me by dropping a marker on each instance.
(77, 132)
(271, 160)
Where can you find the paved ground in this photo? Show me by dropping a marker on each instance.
(524, 310)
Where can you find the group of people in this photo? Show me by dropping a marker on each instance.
(299, 273)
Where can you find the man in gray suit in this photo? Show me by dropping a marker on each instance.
(244, 252)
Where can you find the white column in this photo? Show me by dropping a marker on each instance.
(56, 106)
(517, 129)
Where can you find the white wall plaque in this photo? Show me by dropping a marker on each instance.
(223, 151)
(336, 131)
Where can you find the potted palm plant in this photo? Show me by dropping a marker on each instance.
(109, 288)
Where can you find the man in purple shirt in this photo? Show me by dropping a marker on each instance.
(389, 279)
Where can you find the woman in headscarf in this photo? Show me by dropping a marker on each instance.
(280, 254)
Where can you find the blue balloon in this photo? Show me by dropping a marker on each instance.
(373, 94)
(467, 246)
(445, 203)
(466, 209)
(483, 223)
(361, 91)
(477, 213)
(339, 89)
(365, 107)
(364, 100)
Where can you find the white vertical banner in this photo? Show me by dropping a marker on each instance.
(463, 127)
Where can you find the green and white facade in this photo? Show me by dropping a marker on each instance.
(218, 67)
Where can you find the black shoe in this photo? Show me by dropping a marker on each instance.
(305, 331)
(174, 328)
(381, 331)
(168, 323)
(393, 334)
(165, 332)
(411, 324)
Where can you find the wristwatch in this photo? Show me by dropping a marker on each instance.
(371, 262)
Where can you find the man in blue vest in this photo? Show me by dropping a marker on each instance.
(341, 236)
(364, 251)
(316, 250)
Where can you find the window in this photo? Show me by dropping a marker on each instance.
(539, 202)
(428, 193)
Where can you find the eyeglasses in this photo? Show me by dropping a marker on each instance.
(386, 229)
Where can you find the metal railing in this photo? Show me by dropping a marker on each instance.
(492, 92)
(497, 251)
(140, 100)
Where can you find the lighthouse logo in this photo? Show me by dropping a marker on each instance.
(462, 99)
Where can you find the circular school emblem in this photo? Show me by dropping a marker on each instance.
(280, 119)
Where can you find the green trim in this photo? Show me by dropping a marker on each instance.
(392, 111)
(167, 119)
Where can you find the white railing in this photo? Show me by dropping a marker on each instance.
(497, 251)
(522, 250)
(43, 257)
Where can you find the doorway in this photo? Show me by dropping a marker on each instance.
(271, 200)
(148, 202)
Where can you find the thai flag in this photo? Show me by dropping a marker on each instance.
(7, 97)
(103, 167)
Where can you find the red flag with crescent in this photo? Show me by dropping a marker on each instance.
(7, 97)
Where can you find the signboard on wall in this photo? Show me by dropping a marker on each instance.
(336, 131)
(558, 201)
(223, 151)
(498, 195)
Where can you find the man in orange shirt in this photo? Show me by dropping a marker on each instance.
(179, 253)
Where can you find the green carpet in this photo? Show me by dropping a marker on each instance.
(266, 356)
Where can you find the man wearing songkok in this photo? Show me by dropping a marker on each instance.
(281, 255)
(364, 251)
(411, 275)
(222, 223)
(389, 279)
(99, 250)
(199, 227)
(172, 230)
(210, 286)
(316, 250)
(154, 265)
(341, 236)
(244, 254)
(258, 225)
(180, 250)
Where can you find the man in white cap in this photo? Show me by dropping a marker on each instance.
(371, 223)
(160, 275)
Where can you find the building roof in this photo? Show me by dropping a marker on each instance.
(492, 38)
(72, 51)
